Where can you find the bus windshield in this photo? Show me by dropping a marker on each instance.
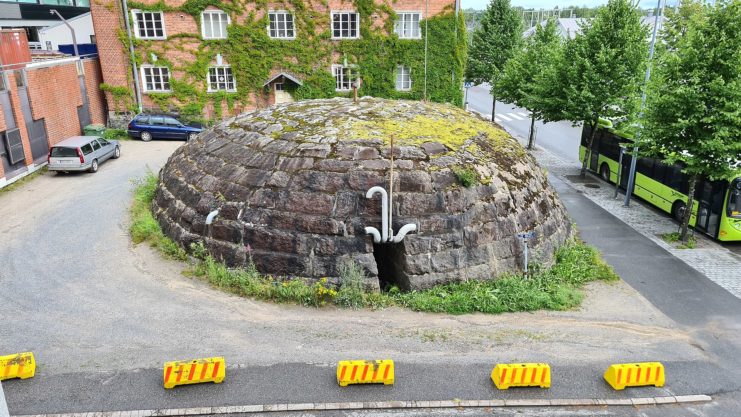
(734, 199)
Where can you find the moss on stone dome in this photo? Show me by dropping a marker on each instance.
(290, 182)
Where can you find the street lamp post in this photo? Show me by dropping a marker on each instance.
(634, 158)
(71, 29)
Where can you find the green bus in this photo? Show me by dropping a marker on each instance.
(717, 204)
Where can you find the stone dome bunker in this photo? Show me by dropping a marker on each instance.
(290, 183)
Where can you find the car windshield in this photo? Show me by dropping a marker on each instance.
(61, 152)
(734, 199)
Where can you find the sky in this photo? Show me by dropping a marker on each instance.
(548, 4)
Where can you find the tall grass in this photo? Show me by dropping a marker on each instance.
(558, 287)
(144, 226)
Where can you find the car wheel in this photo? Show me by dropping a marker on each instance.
(117, 153)
(94, 166)
(191, 136)
(604, 172)
(678, 209)
(146, 136)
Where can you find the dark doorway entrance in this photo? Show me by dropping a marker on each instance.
(390, 261)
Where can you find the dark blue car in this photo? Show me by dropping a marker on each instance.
(160, 126)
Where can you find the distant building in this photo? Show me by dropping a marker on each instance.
(568, 27)
(209, 62)
(60, 34)
(33, 16)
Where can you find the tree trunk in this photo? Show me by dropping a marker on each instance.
(531, 139)
(493, 107)
(683, 235)
(588, 153)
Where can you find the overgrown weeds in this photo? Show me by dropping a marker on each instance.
(558, 287)
(144, 226)
(675, 237)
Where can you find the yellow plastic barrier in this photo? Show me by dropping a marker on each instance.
(365, 372)
(621, 375)
(194, 372)
(20, 365)
(506, 375)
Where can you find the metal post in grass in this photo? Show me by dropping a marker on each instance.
(525, 237)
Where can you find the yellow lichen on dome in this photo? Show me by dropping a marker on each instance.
(451, 131)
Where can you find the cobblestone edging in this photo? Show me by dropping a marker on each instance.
(717, 263)
(377, 405)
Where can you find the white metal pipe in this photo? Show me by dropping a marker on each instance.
(384, 210)
(407, 228)
(211, 216)
(375, 233)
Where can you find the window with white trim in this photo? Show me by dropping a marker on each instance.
(403, 78)
(344, 77)
(407, 25)
(213, 24)
(281, 25)
(221, 79)
(345, 25)
(149, 25)
(156, 79)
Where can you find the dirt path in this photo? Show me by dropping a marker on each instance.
(75, 291)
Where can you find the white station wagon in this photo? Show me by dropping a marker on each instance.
(80, 153)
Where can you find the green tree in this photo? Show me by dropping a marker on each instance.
(693, 113)
(497, 38)
(600, 72)
(523, 78)
(678, 22)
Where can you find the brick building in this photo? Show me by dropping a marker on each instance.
(207, 59)
(41, 104)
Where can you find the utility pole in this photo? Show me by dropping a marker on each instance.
(71, 29)
(634, 157)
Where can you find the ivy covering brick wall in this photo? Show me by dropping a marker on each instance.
(254, 56)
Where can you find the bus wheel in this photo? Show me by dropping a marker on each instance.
(604, 172)
(678, 210)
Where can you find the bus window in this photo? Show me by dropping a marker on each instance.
(734, 200)
(660, 171)
(673, 178)
(646, 166)
(610, 147)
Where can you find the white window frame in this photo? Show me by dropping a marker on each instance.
(217, 68)
(402, 70)
(352, 69)
(341, 12)
(136, 25)
(160, 70)
(214, 12)
(285, 30)
(401, 30)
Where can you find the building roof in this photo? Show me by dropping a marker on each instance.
(282, 74)
(568, 27)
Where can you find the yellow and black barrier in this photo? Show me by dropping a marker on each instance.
(521, 375)
(365, 372)
(194, 372)
(19, 365)
(621, 375)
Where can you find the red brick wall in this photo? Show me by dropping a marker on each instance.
(15, 103)
(55, 95)
(96, 99)
(108, 20)
(114, 59)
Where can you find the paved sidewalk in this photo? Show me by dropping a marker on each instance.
(711, 259)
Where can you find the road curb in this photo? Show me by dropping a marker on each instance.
(379, 405)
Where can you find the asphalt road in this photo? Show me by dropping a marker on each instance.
(72, 287)
(560, 138)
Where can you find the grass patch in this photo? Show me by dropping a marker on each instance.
(674, 238)
(555, 288)
(467, 177)
(116, 134)
(144, 227)
(24, 180)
